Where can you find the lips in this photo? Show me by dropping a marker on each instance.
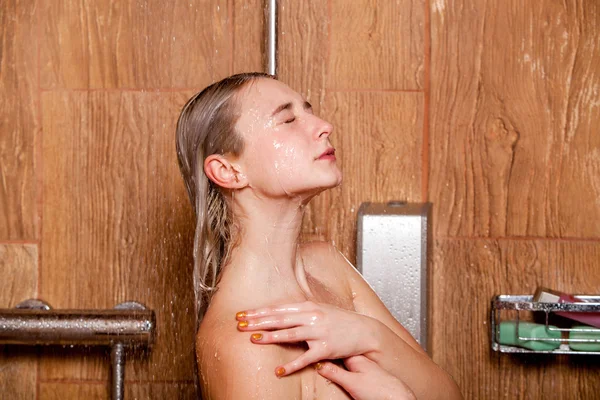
(330, 152)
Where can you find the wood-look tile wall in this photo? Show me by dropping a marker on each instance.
(514, 104)
(93, 211)
(485, 109)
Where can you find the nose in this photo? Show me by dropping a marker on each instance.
(324, 129)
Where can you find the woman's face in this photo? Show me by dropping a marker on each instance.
(286, 147)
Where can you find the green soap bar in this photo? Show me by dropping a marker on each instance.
(593, 334)
(508, 335)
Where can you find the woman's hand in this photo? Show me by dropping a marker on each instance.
(330, 332)
(365, 380)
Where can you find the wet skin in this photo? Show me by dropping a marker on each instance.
(241, 363)
(287, 160)
(242, 359)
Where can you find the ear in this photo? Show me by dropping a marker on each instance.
(219, 170)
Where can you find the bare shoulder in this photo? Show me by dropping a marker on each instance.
(326, 261)
(231, 367)
(364, 299)
(320, 256)
(327, 267)
(327, 255)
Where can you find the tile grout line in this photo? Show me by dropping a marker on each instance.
(369, 90)
(120, 90)
(188, 89)
(427, 77)
(425, 157)
(519, 238)
(40, 178)
(31, 242)
(68, 381)
(328, 63)
(231, 15)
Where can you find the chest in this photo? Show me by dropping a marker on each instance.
(335, 293)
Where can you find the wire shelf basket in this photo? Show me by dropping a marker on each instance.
(525, 304)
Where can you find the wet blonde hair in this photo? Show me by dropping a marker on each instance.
(206, 126)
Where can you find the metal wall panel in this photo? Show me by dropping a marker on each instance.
(392, 257)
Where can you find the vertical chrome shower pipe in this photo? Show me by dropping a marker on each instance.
(117, 358)
(272, 37)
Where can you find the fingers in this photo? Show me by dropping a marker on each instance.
(358, 363)
(305, 359)
(277, 321)
(336, 374)
(292, 335)
(370, 382)
(267, 311)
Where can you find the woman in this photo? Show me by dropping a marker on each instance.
(272, 310)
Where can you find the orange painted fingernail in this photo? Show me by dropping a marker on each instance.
(241, 314)
(318, 366)
(257, 336)
(242, 324)
(280, 371)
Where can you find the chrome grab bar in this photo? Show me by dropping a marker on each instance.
(128, 325)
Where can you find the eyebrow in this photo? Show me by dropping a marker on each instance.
(288, 106)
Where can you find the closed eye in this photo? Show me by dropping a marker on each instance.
(289, 121)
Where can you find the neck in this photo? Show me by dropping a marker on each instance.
(268, 242)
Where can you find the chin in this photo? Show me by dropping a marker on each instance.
(336, 181)
(330, 181)
(314, 187)
(323, 186)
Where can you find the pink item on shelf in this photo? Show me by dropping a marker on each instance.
(545, 295)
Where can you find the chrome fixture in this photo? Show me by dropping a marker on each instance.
(392, 256)
(271, 14)
(128, 326)
(522, 308)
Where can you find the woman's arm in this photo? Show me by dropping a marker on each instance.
(425, 378)
(390, 341)
(332, 333)
(365, 380)
(231, 368)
